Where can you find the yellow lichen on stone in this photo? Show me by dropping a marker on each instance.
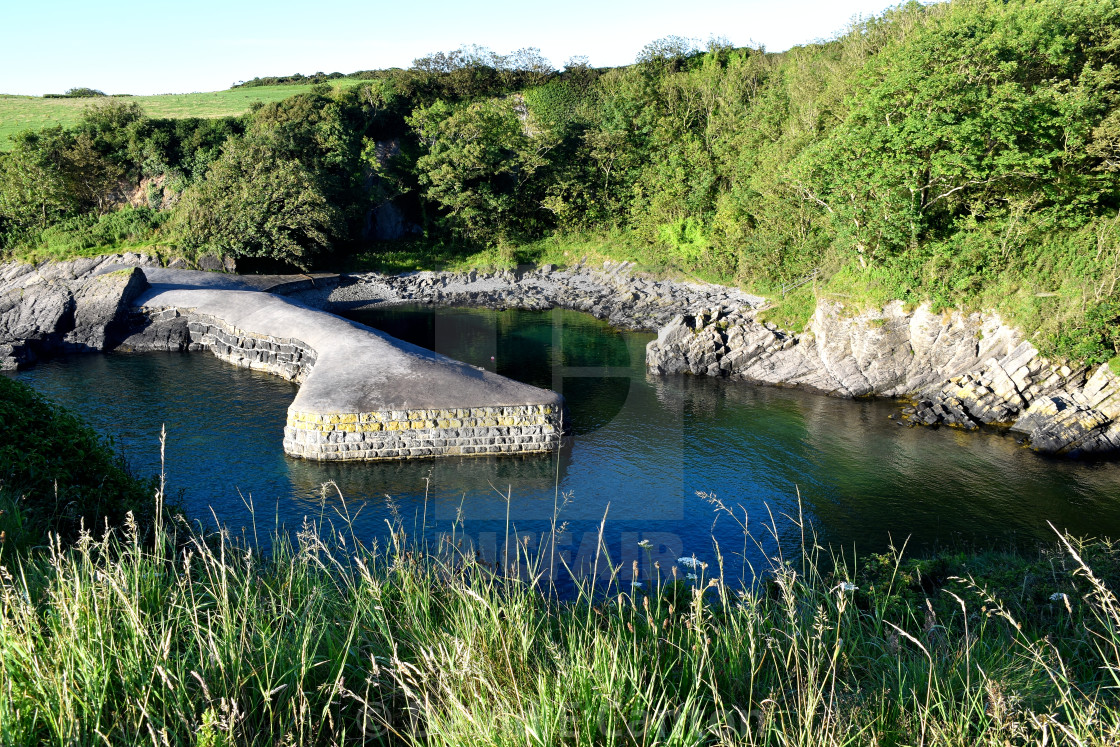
(348, 418)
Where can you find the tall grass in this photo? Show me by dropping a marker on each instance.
(193, 637)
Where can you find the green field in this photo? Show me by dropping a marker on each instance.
(18, 113)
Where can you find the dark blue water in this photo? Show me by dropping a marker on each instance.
(642, 448)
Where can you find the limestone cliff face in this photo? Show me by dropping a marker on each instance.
(964, 370)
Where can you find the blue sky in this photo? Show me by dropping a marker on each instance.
(150, 47)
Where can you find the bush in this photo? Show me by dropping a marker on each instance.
(256, 202)
(82, 92)
(86, 234)
(58, 474)
(130, 225)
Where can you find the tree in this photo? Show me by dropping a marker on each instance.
(34, 189)
(479, 167)
(83, 92)
(255, 202)
(92, 178)
(984, 103)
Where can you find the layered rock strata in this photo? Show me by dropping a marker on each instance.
(963, 370)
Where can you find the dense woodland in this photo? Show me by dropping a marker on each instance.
(964, 153)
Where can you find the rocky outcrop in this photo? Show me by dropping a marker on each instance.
(64, 307)
(611, 292)
(31, 321)
(963, 370)
(1084, 420)
(100, 309)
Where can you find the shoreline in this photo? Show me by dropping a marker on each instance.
(960, 370)
(954, 369)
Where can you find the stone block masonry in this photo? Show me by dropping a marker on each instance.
(339, 436)
(172, 330)
(404, 434)
(283, 356)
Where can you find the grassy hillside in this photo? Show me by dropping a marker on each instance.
(18, 113)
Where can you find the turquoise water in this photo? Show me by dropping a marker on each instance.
(642, 448)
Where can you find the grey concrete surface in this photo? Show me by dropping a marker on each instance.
(357, 369)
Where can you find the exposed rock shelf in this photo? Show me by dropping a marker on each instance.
(611, 293)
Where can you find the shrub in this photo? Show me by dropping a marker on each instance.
(58, 473)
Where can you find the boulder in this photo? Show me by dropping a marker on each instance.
(101, 308)
(32, 321)
(211, 263)
(1059, 425)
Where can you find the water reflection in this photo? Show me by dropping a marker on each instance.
(642, 448)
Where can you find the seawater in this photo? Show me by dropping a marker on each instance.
(649, 458)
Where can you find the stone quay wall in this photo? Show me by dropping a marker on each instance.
(181, 329)
(405, 434)
(355, 436)
(283, 356)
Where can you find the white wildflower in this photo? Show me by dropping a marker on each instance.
(848, 586)
(645, 544)
(692, 577)
(1058, 597)
(636, 584)
(690, 562)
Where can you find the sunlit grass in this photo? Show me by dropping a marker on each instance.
(191, 637)
(18, 113)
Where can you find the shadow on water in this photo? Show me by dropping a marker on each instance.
(642, 446)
